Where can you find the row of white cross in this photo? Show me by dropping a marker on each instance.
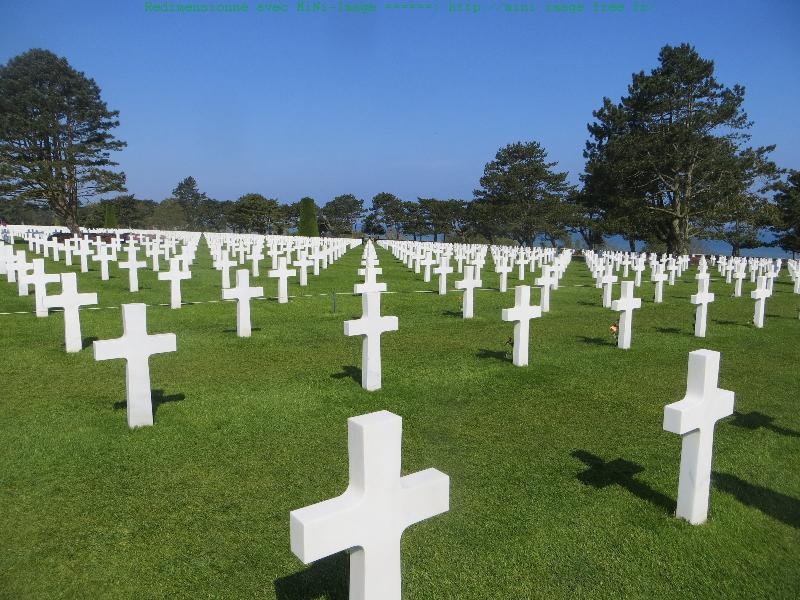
(368, 519)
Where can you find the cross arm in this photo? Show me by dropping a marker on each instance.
(325, 528)
(424, 495)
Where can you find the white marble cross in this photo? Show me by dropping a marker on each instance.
(282, 274)
(739, 274)
(702, 299)
(638, 268)
(133, 267)
(672, 267)
(658, 276)
(760, 295)
(224, 264)
(607, 281)
(694, 418)
(370, 326)
(84, 251)
(136, 347)
(175, 275)
(427, 262)
(625, 306)
(242, 293)
(546, 283)
(521, 314)
(302, 263)
(503, 268)
(368, 520)
(370, 281)
(442, 271)
(70, 300)
(39, 279)
(468, 284)
(103, 256)
(522, 260)
(20, 269)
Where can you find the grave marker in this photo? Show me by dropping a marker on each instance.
(368, 520)
(694, 419)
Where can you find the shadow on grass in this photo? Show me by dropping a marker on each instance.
(234, 330)
(495, 354)
(88, 341)
(597, 341)
(158, 397)
(587, 303)
(774, 504)
(674, 330)
(620, 472)
(724, 322)
(452, 313)
(350, 371)
(327, 578)
(755, 420)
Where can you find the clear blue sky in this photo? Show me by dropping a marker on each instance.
(410, 102)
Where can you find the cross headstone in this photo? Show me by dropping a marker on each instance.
(103, 256)
(694, 418)
(760, 295)
(175, 275)
(282, 274)
(503, 268)
(20, 269)
(70, 300)
(242, 293)
(638, 268)
(608, 280)
(302, 263)
(371, 283)
(521, 314)
(702, 299)
(224, 264)
(84, 251)
(370, 517)
(136, 347)
(370, 326)
(427, 262)
(546, 283)
(39, 279)
(133, 267)
(442, 271)
(468, 284)
(658, 276)
(625, 305)
(739, 274)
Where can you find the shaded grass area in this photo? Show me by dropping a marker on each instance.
(562, 480)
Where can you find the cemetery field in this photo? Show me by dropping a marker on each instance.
(563, 482)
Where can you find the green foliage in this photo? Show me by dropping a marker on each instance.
(191, 199)
(55, 135)
(167, 215)
(342, 214)
(388, 210)
(21, 212)
(413, 220)
(443, 216)
(307, 224)
(669, 161)
(528, 198)
(255, 213)
(110, 216)
(372, 225)
(788, 207)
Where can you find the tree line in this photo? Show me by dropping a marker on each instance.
(668, 163)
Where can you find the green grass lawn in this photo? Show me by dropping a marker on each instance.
(563, 483)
